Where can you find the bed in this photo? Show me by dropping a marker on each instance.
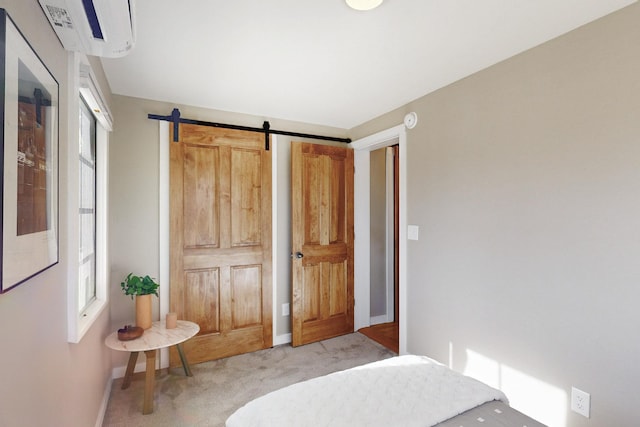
(402, 391)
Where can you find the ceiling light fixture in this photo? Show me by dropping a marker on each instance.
(363, 4)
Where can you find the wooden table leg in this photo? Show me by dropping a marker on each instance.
(185, 363)
(133, 358)
(149, 383)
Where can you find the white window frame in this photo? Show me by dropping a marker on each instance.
(83, 83)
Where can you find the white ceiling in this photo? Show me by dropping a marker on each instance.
(317, 61)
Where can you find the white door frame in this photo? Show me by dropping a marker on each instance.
(362, 216)
(390, 234)
(164, 147)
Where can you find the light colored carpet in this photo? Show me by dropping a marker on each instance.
(220, 387)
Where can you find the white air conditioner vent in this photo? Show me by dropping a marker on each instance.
(95, 27)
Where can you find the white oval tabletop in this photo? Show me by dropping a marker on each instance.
(157, 336)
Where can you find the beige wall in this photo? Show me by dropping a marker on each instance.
(46, 380)
(525, 181)
(134, 196)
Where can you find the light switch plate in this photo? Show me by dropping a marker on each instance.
(412, 232)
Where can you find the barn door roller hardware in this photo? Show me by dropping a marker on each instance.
(266, 128)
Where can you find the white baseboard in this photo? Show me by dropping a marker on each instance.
(379, 319)
(281, 339)
(105, 402)
(141, 366)
(119, 371)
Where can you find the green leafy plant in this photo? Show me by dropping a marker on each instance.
(139, 285)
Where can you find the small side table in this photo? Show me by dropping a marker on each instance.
(158, 336)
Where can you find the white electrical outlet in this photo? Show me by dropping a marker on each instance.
(285, 309)
(580, 402)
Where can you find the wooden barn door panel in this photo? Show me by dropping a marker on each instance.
(221, 240)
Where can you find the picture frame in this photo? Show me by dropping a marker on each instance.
(29, 159)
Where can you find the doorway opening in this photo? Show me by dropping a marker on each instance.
(363, 147)
(384, 247)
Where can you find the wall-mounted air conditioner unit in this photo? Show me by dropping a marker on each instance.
(95, 27)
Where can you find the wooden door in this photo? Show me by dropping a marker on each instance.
(322, 242)
(221, 240)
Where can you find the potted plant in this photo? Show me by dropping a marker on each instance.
(142, 287)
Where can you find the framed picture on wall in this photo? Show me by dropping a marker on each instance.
(29, 150)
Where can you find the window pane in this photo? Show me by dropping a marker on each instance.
(87, 208)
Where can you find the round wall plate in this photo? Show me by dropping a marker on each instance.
(410, 120)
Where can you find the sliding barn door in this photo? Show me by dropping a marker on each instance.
(322, 242)
(221, 240)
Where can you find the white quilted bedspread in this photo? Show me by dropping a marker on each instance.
(401, 391)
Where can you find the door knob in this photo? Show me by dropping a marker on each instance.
(297, 255)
